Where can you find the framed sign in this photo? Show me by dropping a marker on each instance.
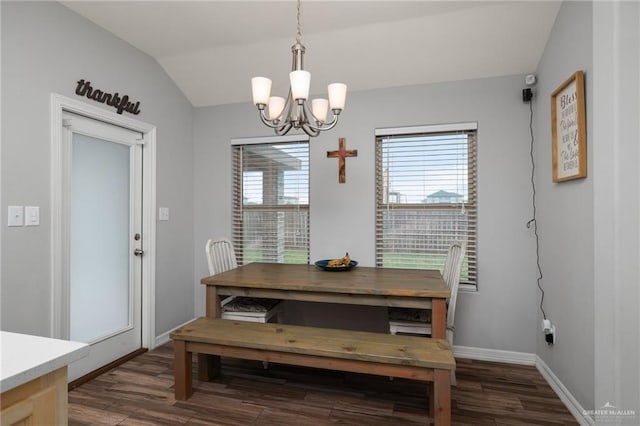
(568, 130)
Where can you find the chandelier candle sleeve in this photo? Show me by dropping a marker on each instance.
(337, 95)
(276, 106)
(320, 108)
(261, 88)
(300, 82)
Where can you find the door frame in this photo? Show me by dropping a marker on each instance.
(60, 199)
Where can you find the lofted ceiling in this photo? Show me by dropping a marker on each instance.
(211, 49)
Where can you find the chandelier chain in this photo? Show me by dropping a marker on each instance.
(299, 27)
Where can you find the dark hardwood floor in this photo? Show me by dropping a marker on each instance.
(140, 392)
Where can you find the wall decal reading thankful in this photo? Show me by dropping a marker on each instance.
(119, 103)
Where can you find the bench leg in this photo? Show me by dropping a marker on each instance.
(440, 398)
(182, 370)
(208, 367)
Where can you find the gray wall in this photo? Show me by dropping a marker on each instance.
(46, 48)
(501, 315)
(565, 212)
(616, 131)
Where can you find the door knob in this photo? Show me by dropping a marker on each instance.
(138, 252)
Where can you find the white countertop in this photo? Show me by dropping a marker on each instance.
(26, 357)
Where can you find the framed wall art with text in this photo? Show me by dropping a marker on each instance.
(568, 130)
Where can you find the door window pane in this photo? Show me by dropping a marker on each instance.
(100, 228)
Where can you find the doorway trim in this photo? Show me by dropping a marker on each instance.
(60, 199)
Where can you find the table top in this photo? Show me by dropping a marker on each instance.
(26, 357)
(392, 282)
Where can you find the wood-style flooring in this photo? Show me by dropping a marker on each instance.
(140, 392)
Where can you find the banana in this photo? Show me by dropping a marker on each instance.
(335, 263)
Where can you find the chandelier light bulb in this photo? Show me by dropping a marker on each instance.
(261, 88)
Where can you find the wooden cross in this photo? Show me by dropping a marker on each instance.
(341, 154)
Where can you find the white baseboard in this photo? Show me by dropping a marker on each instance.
(494, 355)
(563, 393)
(164, 337)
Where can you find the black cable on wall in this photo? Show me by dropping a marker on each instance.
(533, 222)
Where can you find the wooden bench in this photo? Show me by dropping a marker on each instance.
(411, 357)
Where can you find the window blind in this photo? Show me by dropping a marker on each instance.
(271, 202)
(425, 199)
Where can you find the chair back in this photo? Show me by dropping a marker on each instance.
(221, 256)
(451, 275)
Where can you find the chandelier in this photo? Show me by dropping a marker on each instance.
(295, 113)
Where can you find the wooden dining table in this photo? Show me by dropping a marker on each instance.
(408, 288)
(391, 287)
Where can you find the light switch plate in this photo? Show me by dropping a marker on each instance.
(163, 213)
(32, 216)
(15, 216)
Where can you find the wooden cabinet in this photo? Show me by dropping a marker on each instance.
(42, 401)
(33, 378)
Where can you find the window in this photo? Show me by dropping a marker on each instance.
(271, 200)
(426, 196)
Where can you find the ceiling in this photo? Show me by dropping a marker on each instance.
(211, 49)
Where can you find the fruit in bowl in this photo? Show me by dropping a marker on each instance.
(338, 263)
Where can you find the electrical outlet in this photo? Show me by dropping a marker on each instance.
(549, 331)
(551, 336)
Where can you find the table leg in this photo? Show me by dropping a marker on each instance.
(182, 370)
(209, 365)
(438, 318)
(212, 302)
(441, 397)
(432, 406)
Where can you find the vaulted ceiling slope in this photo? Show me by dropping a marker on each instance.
(211, 49)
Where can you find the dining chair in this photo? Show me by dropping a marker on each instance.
(221, 257)
(418, 321)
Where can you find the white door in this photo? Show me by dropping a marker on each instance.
(104, 181)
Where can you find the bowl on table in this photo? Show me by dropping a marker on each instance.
(324, 265)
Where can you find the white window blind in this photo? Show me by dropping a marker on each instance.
(271, 202)
(426, 198)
